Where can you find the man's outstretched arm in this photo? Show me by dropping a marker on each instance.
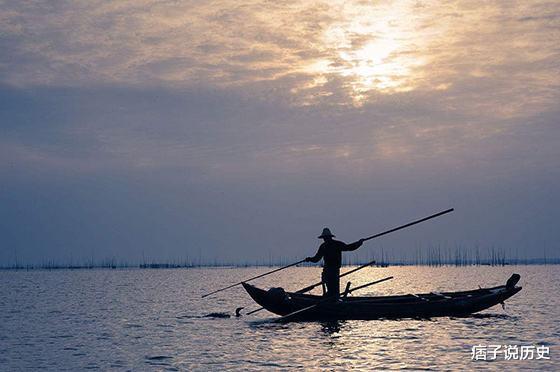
(353, 246)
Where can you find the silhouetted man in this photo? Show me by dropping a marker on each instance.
(331, 253)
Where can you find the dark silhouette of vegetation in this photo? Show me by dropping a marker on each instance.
(434, 256)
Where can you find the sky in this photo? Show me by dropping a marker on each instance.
(235, 131)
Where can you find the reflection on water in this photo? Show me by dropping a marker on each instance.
(143, 319)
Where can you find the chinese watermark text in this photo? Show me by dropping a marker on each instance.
(510, 352)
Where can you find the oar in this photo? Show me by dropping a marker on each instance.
(300, 311)
(368, 284)
(307, 289)
(311, 287)
(295, 313)
(253, 278)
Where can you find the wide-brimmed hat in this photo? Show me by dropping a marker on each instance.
(326, 234)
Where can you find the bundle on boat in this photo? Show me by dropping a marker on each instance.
(299, 306)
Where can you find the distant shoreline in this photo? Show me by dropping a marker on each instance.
(114, 266)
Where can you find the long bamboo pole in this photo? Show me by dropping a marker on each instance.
(255, 277)
(309, 288)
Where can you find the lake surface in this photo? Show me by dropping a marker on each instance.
(151, 320)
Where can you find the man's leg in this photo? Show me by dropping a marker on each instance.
(333, 283)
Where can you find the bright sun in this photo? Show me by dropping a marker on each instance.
(372, 51)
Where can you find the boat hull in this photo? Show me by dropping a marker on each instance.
(426, 305)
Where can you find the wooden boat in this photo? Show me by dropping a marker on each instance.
(425, 305)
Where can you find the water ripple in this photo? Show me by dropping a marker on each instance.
(121, 319)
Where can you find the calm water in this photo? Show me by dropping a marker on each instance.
(149, 320)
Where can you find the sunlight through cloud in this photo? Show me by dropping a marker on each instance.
(371, 48)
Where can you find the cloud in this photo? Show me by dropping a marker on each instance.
(295, 113)
(356, 48)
